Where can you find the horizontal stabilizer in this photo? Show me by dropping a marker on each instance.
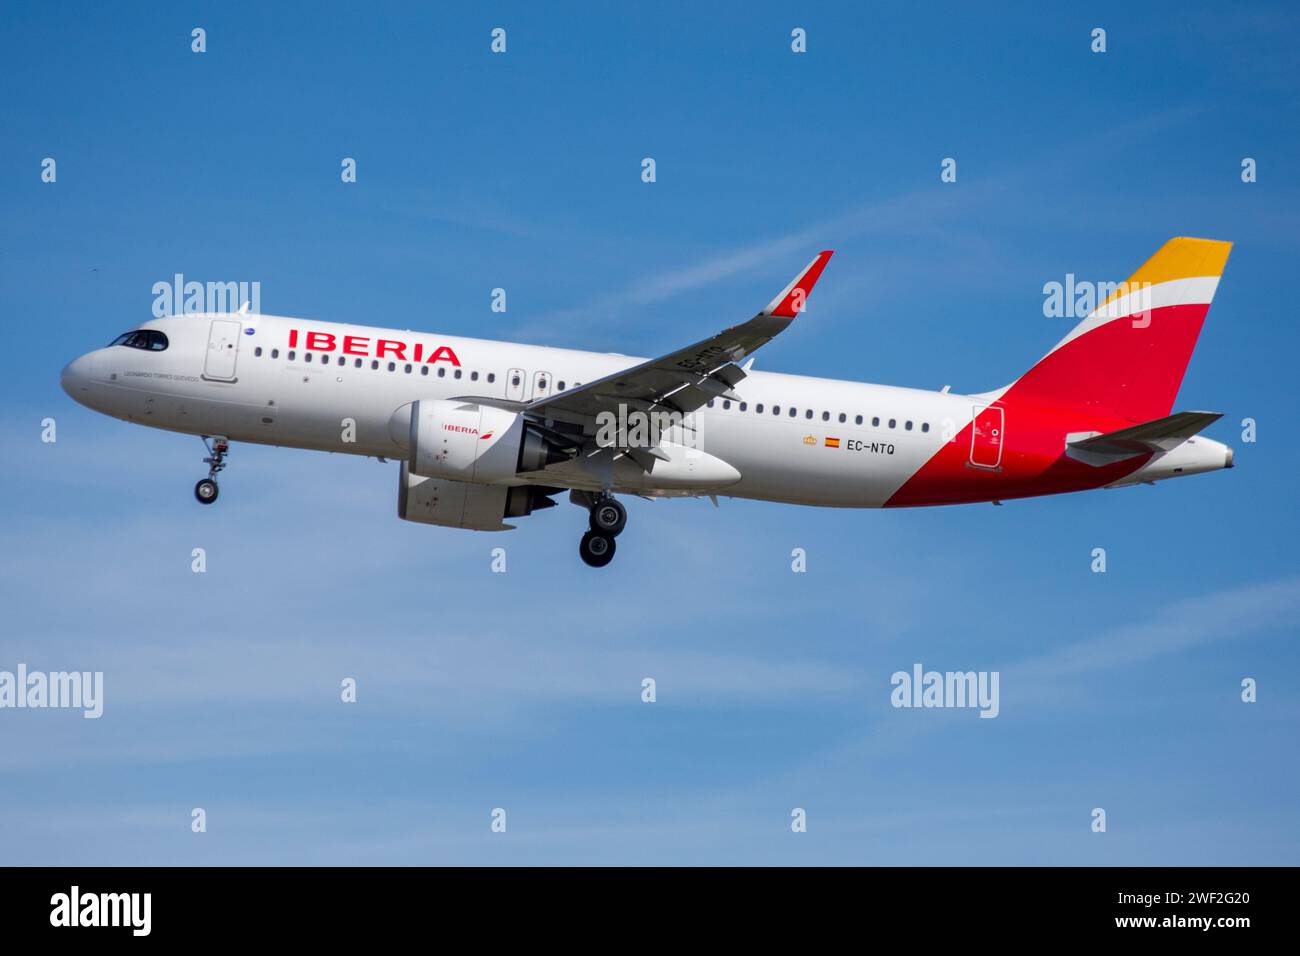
(1154, 437)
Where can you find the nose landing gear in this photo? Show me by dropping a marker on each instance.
(206, 490)
(607, 519)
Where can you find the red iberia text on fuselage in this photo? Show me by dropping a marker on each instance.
(361, 345)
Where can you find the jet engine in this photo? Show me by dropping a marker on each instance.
(466, 441)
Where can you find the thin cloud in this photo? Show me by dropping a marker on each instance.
(919, 211)
(1186, 624)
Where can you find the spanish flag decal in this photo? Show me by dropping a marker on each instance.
(832, 443)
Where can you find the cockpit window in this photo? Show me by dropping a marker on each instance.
(150, 340)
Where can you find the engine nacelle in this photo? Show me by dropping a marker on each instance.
(466, 441)
(459, 504)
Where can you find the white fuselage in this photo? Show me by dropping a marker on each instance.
(257, 382)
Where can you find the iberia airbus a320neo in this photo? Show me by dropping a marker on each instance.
(490, 431)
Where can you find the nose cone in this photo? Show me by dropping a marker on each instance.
(77, 376)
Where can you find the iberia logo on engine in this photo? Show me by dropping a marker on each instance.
(466, 430)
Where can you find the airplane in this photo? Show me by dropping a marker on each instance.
(489, 431)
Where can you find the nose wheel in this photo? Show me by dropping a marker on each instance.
(607, 518)
(206, 490)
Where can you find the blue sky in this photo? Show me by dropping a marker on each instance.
(522, 690)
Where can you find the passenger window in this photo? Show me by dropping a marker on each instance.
(392, 366)
(408, 368)
(858, 420)
(826, 416)
(843, 418)
(275, 353)
(776, 409)
(374, 364)
(424, 370)
(758, 409)
(925, 426)
(458, 373)
(290, 355)
(357, 363)
(744, 406)
(726, 406)
(473, 376)
(492, 376)
(893, 422)
(306, 357)
(342, 361)
(710, 403)
(559, 386)
(257, 352)
(875, 422)
(794, 412)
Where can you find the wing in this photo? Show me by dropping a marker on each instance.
(684, 380)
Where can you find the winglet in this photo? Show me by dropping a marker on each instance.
(792, 300)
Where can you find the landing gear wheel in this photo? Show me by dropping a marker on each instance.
(608, 517)
(597, 550)
(218, 448)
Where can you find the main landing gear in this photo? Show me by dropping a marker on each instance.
(607, 518)
(206, 490)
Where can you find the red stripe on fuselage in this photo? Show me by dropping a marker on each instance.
(1033, 462)
(1108, 378)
